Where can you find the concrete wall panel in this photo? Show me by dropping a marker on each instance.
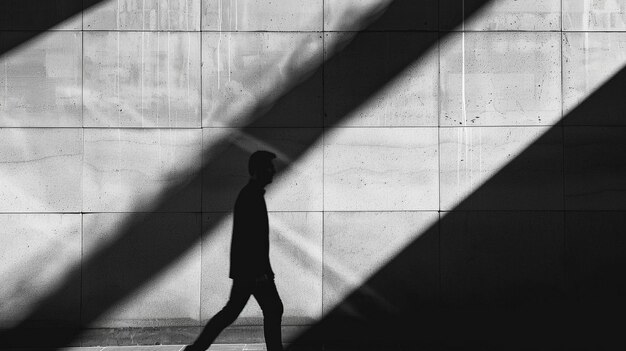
(257, 15)
(380, 169)
(37, 252)
(40, 170)
(594, 178)
(244, 74)
(340, 15)
(595, 246)
(41, 15)
(171, 297)
(296, 258)
(41, 82)
(375, 132)
(508, 15)
(297, 187)
(142, 79)
(471, 156)
(500, 79)
(589, 15)
(126, 170)
(501, 258)
(163, 15)
(589, 61)
(357, 244)
(410, 99)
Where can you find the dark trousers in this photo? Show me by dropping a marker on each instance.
(265, 294)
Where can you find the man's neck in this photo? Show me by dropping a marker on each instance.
(256, 183)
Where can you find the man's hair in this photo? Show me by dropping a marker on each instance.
(259, 159)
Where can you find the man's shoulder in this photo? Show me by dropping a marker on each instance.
(246, 190)
(246, 195)
(251, 189)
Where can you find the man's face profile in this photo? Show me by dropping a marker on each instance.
(268, 172)
(265, 173)
(261, 167)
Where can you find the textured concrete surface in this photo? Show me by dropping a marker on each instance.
(124, 170)
(410, 100)
(500, 78)
(589, 60)
(507, 15)
(357, 244)
(30, 266)
(42, 81)
(594, 180)
(375, 133)
(41, 16)
(470, 156)
(587, 254)
(589, 15)
(242, 71)
(380, 169)
(339, 15)
(41, 169)
(258, 15)
(172, 298)
(485, 255)
(165, 15)
(141, 79)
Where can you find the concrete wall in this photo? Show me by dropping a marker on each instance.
(145, 113)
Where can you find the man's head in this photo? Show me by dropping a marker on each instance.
(260, 166)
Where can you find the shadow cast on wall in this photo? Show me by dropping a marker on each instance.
(145, 245)
(548, 276)
(23, 20)
(551, 287)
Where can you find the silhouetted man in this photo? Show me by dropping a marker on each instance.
(250, 267)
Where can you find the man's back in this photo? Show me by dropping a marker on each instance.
(249, 252)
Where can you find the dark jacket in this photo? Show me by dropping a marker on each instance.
(249, 250)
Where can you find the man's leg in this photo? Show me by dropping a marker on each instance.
(267, 296)
(239, 295)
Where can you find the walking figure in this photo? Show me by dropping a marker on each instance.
(250, 267)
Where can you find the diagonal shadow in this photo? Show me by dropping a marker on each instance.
(33, 17)
(150, 254)
(535, 258)
(536, 309)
